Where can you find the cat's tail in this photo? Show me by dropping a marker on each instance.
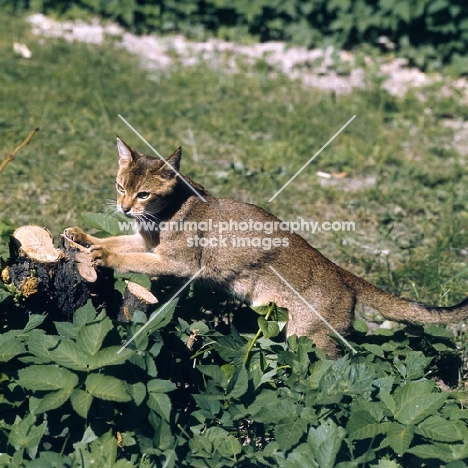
(403, 310)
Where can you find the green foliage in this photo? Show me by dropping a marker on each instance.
(429, 32)
(74, 395)
(180, 394)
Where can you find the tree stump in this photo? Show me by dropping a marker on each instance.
(54, 280)
(136, 297)
(60, 280)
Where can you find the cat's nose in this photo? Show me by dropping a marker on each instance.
(126, 209)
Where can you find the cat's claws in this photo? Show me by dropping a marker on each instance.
(76, 235)
(99, 255)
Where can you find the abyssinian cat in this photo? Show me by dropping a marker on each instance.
(257, 266)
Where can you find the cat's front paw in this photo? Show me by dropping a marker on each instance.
(76, 235)
(102, 257)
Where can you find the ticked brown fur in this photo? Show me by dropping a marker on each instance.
(149, 189)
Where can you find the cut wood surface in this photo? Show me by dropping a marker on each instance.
(136, 297)
(35, 243)
(54, 280)
(61, 280)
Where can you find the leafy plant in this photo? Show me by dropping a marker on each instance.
(429, 32)
(184, 396)
(67, 390)
(161, 391)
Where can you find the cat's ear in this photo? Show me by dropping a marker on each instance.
(125, 153)
(175, 157)
(174, 161)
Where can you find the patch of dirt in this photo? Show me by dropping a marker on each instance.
(460, 134)
(326, 69)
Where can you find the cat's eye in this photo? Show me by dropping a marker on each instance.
(143, 195)
(119, 188)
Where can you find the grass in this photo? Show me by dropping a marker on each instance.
(405, 187)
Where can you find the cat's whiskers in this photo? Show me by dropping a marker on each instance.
(151, 216)
(143, 216)
(110, 209)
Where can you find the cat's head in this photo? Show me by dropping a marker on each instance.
(145, 185)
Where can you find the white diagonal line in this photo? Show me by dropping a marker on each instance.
(312, 158)
(320, 316)
(157, 153)
(160, 310)
(194, 148)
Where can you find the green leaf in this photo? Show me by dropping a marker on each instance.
(40, 345)
(360, 326)
(399, 437)
(104, 453)
(163, 436)
(317, 371)
(208, 403)
(238, 384)
(280, 314)
(388, 401)
(66, 329)
(416, 400)
(420, 407)
(364, 425)
(460, 451)
(162, 316)
(53, 400)
(160, 386)
(141, 279)
(441, 347)
(374, 349)
(24, 434)
(85, 314)
(201, 446)
(299, 458)
(34, 321)
(105, 224)
(416, 364)
(11, 348)
(88, 437)
(109, 357)
(269, 328)
(158, 319)
(46, 377)
(216, 373)
(161, 404)
(436, 451)
(385, 384)
(277, 314)
(91, 335)
(107, 388)
(439, 429)
(81, 402)
(325, 442)
(228, 348)
(217, 441)
(439, 332)
(289, 432)
(387, 464)
(68, 354)
(369, 431)
(138, 393)
(229, 446)
(269, 409)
